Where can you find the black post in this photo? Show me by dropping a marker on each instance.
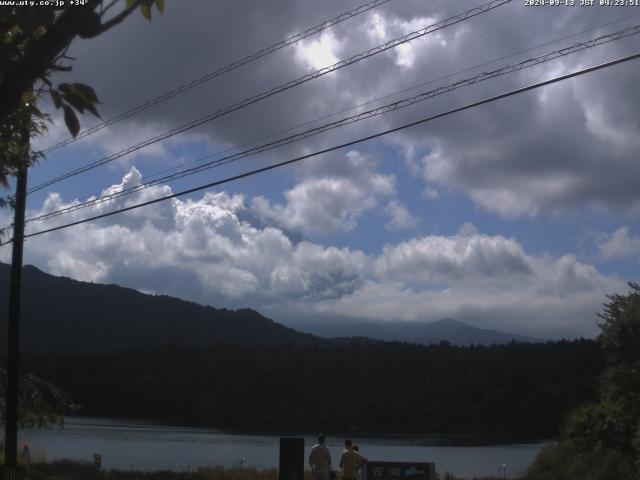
(13, 336)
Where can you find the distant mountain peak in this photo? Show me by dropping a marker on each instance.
(448, 321)
(447, 329)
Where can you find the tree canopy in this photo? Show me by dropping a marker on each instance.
(40, 404)
(614, 422)
(33, 46)
(602, 440)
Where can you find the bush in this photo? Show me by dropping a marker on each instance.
(564, 460)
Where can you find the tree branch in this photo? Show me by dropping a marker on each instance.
(106, 9)
(41, 57)
(118, 18)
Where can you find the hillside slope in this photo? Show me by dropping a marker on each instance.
(64, 315)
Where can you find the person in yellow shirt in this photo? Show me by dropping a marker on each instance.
(350, 462)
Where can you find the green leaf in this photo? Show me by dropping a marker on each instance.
(65, 88)
(92, 108)
(131, 3)
(57, 99)
(80, 96)
(86, 91)
(75, 101)
(160, 6)
(71, 120)
(145, 9)
(90, 25)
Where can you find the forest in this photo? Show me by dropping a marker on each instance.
(369, 387)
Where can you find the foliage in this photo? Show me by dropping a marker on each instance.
(33, 46)
(450, 476)
(517, 389)
(73, 469)
(565, 460)
(620, 339)
(602, 440)
(40, 404)
(77, 470)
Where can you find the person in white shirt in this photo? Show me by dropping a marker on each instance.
(320, 459)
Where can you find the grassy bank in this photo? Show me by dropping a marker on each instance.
(73, 470)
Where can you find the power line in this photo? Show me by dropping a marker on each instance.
(553, 55)
(369, 102)
(343, 145)
(281, 88)
(221, 71)
(384, 97)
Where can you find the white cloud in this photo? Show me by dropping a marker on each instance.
(223, 256)
(465, 257)
(569, 145)
(532, 295)
(380, 28)
(320, 53)
(619, 245)
(431, 193)
(332, 199)
(202, 250)
(399, 216)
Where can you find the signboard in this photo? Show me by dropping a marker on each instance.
(400, 471)
(291, 459)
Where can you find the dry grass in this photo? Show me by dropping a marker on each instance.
(75, 470)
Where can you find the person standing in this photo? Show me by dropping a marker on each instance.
(351, 461)
(320, 459)
(26, 455)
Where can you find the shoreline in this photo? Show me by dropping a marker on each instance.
(442, 439)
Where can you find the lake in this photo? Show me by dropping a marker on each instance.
(143, 445)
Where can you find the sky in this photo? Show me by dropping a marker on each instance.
(519, 215)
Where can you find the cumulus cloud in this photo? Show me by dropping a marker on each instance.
(399, 216)
(332, 198)
(319, 53)
(451, 277)
(467, 256)
(558, 150)
(619, 245)
(202, 249)
(223, 256)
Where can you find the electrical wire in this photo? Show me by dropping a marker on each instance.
(372, 101)
(341, 146)
(221, 71)
(385, 97)
(281, 88)
(553, 55)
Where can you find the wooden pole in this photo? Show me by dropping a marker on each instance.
(13, 336)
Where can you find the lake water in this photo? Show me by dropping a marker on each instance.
(129, 444)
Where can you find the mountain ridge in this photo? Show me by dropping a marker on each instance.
(65, 315)
(425, 333)
(111, 317)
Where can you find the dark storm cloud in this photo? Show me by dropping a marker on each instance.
(553, 150)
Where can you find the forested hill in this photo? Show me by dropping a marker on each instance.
(517, 388)
(64, 315)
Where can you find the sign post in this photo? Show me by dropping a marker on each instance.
(291, 459)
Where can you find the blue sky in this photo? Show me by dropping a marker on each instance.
(520, 215)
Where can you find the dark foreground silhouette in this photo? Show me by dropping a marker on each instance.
(377, 388)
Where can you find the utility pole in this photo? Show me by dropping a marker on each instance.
(13, 336)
